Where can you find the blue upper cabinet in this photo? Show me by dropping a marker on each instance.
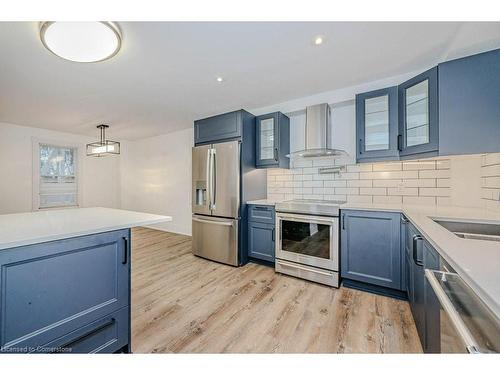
(418, 115)
(272, 141)
(469, 104)
(219, 128)
(377, 125)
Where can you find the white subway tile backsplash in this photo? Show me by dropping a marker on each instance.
(411, 182)
(337, 183)
(439, 173)
(359, 183)
(419, 165)
(443, 164)
(490, 159)
(442, 182)
(435, 192)
(335, 197)
(490, 170)
(387, 167)
(347, 191)
(373, 191)
(359, 168)
(312, 184)
(443, 201)
(303, 177)
(423, 182)
(490, 182)
(348, 176)
(402, 191)
(386, 183)
(284, 177)
(420, 201)
(310, 170)
(387, 199)
(359, 199)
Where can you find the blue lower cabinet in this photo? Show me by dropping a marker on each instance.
(431, 303)
(371, 248)
(261, 239)
(64, 288)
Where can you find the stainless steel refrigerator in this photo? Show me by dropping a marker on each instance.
(216, 201)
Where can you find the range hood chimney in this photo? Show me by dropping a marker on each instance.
(318, 133)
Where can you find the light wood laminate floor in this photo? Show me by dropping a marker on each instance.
(185, 304)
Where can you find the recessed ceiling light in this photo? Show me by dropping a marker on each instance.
(81, 41)
(318, 40)
(220, 79)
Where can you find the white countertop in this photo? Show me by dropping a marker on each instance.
(264, 202)
(476, 261)
(42, 226)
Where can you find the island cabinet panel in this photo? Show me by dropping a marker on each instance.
(105, 335)
(51, 290)
(371, 247)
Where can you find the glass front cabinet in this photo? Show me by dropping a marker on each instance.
(377, 125)
(418, 115)
(399, 122)
(272, 141)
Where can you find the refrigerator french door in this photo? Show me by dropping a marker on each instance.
(216, 201)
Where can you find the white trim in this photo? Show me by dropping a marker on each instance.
(35, 204)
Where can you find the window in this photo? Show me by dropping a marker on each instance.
(56, 176)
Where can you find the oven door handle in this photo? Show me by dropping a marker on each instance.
(308, 219)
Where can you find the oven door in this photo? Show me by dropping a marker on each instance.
(307, 239)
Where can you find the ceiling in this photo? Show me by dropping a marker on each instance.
(165, 75)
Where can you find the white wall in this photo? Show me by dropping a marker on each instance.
(100, 177)
(156, 178)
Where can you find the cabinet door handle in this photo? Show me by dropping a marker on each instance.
(343, 221)
(125, 251)
(276, 153)
(360, 149)
(416, 238)
(272, 234)
(400, 142)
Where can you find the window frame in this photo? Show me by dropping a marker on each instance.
(36, 142)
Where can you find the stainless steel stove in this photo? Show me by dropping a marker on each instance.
(307, 245)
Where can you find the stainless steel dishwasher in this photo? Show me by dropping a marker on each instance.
(466, 323)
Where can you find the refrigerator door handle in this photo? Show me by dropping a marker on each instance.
(209, 176)
(213, 188)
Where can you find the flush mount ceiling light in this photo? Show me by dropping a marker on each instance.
(81, 41)
(104, 146)
(219, 79)
(319, 40)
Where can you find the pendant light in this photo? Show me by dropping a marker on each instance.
(104, 146)
(83, 42)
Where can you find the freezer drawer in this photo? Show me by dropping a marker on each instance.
(216, 239)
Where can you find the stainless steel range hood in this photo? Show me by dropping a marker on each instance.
(318, 134)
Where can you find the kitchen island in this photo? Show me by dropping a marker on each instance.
(65, 280)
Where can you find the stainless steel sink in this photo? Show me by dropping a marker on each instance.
(473, 231)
